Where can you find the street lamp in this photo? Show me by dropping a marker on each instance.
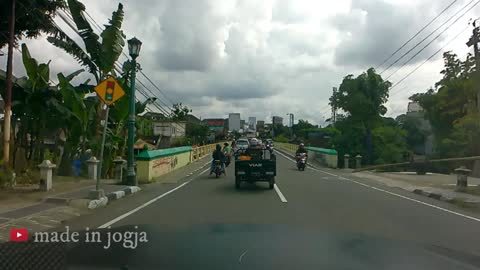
(134, 46)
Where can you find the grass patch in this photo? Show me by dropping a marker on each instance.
(462, 203)
(473, 191)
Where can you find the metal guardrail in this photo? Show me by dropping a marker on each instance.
(200, 151)
(287, 146)
(418, 163)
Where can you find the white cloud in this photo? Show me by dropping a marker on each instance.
(265, 58)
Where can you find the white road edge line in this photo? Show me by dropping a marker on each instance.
(282, 198)
(117, 219)
(395, 194)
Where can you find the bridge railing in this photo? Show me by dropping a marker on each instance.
(152, 164)
(326, 157)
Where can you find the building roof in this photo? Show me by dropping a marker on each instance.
(193, 119)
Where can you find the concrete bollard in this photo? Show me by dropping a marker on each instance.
(93, 168)
(358, 160)
(346, 160)
(119, 165)
(462, 178)
(46, 168)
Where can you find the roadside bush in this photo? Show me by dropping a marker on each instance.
(281, 139)
(182, 142)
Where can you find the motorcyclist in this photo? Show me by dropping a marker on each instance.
(218, 155)
(227, 151)
(301, 150)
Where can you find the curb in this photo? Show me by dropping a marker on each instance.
(443, 198)
(103, 201)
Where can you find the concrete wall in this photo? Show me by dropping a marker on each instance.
(326, 159)
(155, 163)
(151, 165)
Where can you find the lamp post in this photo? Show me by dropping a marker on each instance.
(134, 46)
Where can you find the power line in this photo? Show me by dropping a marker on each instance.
(141, 72)
(416, 45)
(437, 36)
(424, 62)
(141, 83)
(414, 36)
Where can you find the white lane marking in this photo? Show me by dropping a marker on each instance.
(117, 219)
(397, 195)
(241, 256)
(282, 198)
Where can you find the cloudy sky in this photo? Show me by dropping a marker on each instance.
(272, 57)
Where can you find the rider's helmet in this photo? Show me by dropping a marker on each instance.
(302, 145)
(218, 147)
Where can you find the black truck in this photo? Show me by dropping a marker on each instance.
(255, 165)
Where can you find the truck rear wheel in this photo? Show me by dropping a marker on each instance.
(271, 183)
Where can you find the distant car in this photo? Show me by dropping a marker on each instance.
(242, 144)
(269, 141)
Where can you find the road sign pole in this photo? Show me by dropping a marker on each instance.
(104, 135)
(131, 176)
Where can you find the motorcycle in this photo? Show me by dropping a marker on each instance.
(228, 159)
(218, 168)
(270, 149)
(301, 161)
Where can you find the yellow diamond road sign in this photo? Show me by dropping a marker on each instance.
(109, 90)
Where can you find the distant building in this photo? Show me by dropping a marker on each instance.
(260, 125)
(234, 122)
(174, 130)
(193, 119)
(154, 116)
(217, 125)
(252, 123)
(277, 120)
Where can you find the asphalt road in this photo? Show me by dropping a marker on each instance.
(205, 222)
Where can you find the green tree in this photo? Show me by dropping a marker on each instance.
(301, 125)
(363, 99)
(451, 107)
(180, 112)
(38, 106)
(415, 134)
(197, 132)
(31, 18)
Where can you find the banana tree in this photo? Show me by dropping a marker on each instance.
(80, 120)
(37, 105)
(100, 56)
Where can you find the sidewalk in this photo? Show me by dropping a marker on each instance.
(28, 207)
(25, 200)
(438, 186)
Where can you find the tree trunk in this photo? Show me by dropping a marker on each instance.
(65, 167)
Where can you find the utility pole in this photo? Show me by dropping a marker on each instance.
(8, 89)
(334, 106)
(474, 42)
